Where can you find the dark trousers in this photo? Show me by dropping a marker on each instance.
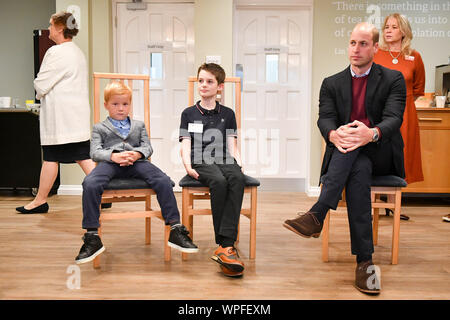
(98, 179)
(354, 171)
(226, 183)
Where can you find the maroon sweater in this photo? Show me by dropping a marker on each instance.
(359, 86)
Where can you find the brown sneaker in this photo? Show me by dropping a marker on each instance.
(229, 258)
(306, 225)
(229, 273)
(368, 277)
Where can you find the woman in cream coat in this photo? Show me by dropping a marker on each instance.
(62, 87)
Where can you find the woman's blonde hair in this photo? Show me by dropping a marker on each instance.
(116, 88)
(405, 29)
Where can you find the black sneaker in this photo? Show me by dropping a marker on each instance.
(180, 240)
(91, 248)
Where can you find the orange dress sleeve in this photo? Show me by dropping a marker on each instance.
(419, 76)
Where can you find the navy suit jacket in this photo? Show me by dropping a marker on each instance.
(384, 102)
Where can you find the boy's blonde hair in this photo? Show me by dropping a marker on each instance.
(117, 88)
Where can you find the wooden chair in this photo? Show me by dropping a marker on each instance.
(194, 190)
(381, 185)
(124, 190)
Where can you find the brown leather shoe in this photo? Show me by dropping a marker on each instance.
(229, 273)
(306, 225)
(368, 277)
(229, 258)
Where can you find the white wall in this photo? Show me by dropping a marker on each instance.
(214, 36)
(18, 19)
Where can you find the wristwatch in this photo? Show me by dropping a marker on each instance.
(375, 135)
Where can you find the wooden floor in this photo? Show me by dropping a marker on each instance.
(37, 256)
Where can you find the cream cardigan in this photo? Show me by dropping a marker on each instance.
(62, 87)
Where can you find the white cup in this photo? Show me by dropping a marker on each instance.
(5, 102)
(440, 101)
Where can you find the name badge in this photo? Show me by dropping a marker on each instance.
(410, 58)
(195, 127)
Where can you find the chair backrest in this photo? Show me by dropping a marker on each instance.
(122, 78)
(237, 98)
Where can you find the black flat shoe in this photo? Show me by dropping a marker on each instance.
(43, 208)
(402, 216)
(106, 205)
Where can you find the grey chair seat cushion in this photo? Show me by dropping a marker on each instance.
(388, 181)
(129, 183)
(385, 181)
(190, 182)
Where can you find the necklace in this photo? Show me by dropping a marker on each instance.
(394, 59)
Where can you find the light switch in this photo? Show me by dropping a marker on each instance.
(213, 59)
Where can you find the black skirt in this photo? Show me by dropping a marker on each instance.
(67, 153)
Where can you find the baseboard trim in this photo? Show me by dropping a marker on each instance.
(294, 186)
(282, 184)
(313, 191)
(70, 190)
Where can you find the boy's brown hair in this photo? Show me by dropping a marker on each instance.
(117, 88)
(215, 69)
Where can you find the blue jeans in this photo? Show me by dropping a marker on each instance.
(104, 172)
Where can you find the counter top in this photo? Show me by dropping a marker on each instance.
(447, 109)
(19, 110)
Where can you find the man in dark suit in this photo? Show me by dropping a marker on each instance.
(360, 114)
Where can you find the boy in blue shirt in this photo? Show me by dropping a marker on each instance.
(121, 146)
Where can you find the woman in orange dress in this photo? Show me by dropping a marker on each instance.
(395, 52)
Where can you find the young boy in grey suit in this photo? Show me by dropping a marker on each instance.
(121, 147)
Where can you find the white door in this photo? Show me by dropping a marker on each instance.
(159, 41)
(272, 50)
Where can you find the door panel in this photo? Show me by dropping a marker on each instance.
(272, 47)
(159, 42)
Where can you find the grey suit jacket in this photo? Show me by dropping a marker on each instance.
(106, 139)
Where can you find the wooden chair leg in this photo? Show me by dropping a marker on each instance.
(375, 211)
(96, 262)
(325, 237)
(376, 215)
(184, 215)
(191, 217)
(167, 249)
(396, 226)
(253, 202)
(148, 222)
(148, 230)
(238, 232)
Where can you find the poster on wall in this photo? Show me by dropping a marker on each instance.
(429, 20)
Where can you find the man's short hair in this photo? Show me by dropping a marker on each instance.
(215, 69)
(117, 88)
(372, 29)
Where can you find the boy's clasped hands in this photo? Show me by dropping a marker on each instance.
(125, 158)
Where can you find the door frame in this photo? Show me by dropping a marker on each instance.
(283, 5)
